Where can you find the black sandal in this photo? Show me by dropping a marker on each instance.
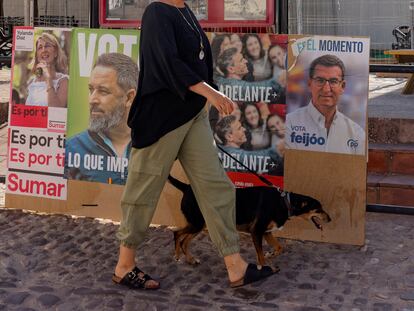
(254, 273)
(136, 279)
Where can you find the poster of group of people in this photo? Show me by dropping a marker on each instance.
(251, 70)
(37, 114)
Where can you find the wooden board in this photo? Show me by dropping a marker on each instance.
(338, 181)
(99, 200)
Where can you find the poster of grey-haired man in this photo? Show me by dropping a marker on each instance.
(327, 111)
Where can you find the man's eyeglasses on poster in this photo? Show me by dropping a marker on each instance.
(333, 83)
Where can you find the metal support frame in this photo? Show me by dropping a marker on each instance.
(299, 16)
(391, 68)
(29, 9)
(411, 7)
(94, 14)
(390, 209)
(282, 16)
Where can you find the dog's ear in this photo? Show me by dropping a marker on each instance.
(305, 203)
(315, 204)
(299, 200)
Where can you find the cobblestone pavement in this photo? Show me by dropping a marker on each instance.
(62, 263)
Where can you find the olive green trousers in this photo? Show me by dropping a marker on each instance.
(148, 169)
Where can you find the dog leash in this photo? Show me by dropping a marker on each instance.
(263, 179)
(284, 194)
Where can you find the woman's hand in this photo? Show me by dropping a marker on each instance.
(223, 104)
(45, 70)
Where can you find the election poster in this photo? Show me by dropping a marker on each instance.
(37, 114)
(40, 78)
(104, 78)
(325, 140)
(251, 70)
(327, 94)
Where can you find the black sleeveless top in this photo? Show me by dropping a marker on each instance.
(169, 64)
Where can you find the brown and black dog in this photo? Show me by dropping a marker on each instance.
(258, 210)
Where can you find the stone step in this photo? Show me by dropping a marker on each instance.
(391, 131)
(390, 189)
(391, 158)
(391, 174)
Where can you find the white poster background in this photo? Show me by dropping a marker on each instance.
(56, 119)
(37, 185)
(36, 151)
(24, 40)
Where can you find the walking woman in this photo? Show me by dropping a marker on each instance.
(168, 120)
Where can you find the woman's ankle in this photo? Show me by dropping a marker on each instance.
(236, 266)
(126, 261)
(122, 270)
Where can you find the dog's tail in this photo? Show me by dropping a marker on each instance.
(177, 184)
